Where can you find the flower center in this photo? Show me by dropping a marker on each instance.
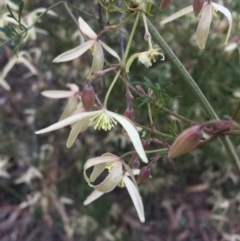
(103, 121)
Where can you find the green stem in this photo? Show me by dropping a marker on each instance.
(195, 90)
(124, 59)
(131, 38)
(110, 88)
(159, 151)
(236, 112)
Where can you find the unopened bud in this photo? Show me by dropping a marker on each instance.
(88, 97)
(135, 163)
(197, 6)
(144, 174)
(164, 4)
(129, 113)
(186, 141)
(145, 144)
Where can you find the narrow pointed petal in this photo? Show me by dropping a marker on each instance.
(136, 198)
(98, 58)
(204, 26)
(228, 15)
(79, 127)
(70, 108)
(8, 67)
(57, 94)
(97, 170)
(111, 180)
(26, 62)
(86, 29)
(68, 121)
(92, 197)
(74, 53)
(4, 84)
(131, 174)
(130, 60)
(110, 50)
(132, 133)
(178, 14)
(74, 88)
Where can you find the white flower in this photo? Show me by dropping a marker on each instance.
(145, 58)
(209, 9)
(97, 44)
(116, 177)
(27, 21)
(100, 119)
(23, 58)
(30, 174)
(72, 96)
(3, 172)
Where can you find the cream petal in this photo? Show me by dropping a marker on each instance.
(130, 60)
(98, 160)
(57, 94)
(92, 197)
(204, 26)
(98, 58)
(97, 170)
(132, 133)
(136, 198)
(178, 14)
(8, 67)
(111, 180)
(4, 84)
(74, 53)
(228, 15)
(110, 50)
(26, 62)
(68, 121)
(79, 127)
(86, 29)
(69, 108)
(74, 88)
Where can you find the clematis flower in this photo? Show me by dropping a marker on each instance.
(23, 58)
(93, 42)
(100, 119)
(145, 58)
(208, 11)
(72, 96)
(116, 177)
(27, 21)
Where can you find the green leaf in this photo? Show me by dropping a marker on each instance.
(21, 6)
(11, 13)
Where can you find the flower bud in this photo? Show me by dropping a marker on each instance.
(129, 113)
(135, 163)
(164, 4)
(197, 6)
(145, 144)
(144, 174)
(88, 97)
(186, 141)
